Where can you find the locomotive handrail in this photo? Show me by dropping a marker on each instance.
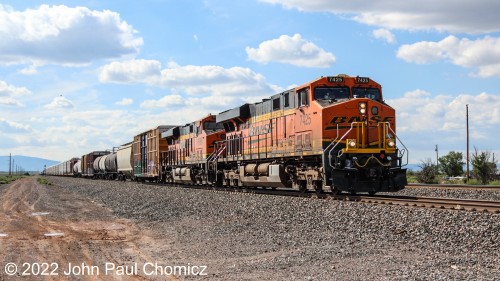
(401, 150)
(330, 148)
(217, 151)
(337, 142)
(326, 149)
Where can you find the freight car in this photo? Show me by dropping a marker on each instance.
(124, 162)
(105, 167)
(77, 169)
(88, 168)
(147, 149)
(62, 169)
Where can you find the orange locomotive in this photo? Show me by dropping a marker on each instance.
(189, 149)
(332, 134)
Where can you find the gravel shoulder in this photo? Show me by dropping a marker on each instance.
(247, 237)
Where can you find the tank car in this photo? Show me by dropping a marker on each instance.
(77, 169)
(110, 166)
(88, 160)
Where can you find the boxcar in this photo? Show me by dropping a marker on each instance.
(147, 149)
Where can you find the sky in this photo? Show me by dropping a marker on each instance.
(79, 76)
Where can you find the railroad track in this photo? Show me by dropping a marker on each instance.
(433, 202)
(454, 186)
(427, 202)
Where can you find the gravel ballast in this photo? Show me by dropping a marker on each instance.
(245, 237)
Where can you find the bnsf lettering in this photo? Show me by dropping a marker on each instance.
(380, 119)
(347, 119)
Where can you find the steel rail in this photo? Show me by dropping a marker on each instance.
(454, 186)
(436, 202)
(428, 202)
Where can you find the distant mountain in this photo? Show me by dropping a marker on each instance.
(413, 167)
(26, 163)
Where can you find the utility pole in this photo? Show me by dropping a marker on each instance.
(467, 122)
(10, 164)
(437, 159)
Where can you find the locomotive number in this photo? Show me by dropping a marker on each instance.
(305, 119)
(363, 80)
(335, 79)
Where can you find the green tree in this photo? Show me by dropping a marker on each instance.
(483, 168)
(428, 172)
(452, 164)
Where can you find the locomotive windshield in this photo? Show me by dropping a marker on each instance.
(371, 93)
(331, 93)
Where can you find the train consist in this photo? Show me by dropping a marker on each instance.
(335, 134)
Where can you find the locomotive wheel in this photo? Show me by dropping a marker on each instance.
(302, 186)
(335, 191)
(318, 187)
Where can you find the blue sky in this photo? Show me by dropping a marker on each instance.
(77, 76)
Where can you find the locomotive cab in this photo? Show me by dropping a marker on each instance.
(359, 138)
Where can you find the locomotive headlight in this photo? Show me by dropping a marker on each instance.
(391, 143)
(362, 107)
(352, 143)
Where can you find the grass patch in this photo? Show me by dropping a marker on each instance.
(43, 181)
(7, 179)
(412, 178)
(496, 182)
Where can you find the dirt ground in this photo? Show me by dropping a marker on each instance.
(48, 233)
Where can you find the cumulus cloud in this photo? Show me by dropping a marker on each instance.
(10, 90)
(125, 101)
(64, 35)
(10, 93)
(425, 119)
(134, 71)
(201, 105)
(7, 126)
(385, 35)
(166, 101)
(60, 103)
(190, 79)
(418, 109)
(291, 50)
(460, 16)
(483, 54)
(10, 101)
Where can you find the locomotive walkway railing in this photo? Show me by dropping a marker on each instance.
(383, 129)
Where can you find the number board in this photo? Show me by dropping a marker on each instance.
(335, 79)
(362, 80)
